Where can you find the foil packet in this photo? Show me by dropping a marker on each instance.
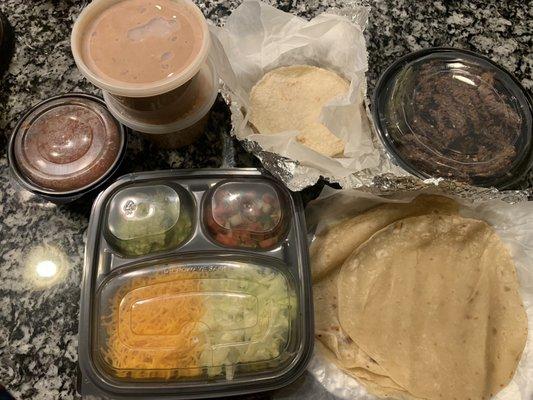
(258, 38)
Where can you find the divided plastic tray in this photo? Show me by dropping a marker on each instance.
(196, 284)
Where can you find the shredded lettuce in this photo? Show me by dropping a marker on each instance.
(249, 319)
(146, 241)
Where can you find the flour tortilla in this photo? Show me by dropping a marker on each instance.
(338, 346)
(291, 99)
(344, 238)
(328, 329)
(380, 385)
(330, 249)
(434, 301)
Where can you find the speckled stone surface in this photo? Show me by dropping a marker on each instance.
(38, 320)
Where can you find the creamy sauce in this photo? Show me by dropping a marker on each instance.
(142, 41)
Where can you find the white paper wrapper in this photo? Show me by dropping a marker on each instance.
(258, 38)
(514, 224)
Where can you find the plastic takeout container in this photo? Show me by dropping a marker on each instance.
(95, 9)
(170, 311)
(7, 42)
(455, 114)
(66, 147)
(184, 120)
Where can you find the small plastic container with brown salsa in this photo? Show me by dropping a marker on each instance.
(66, 146)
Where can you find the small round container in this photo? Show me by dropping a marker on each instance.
(66, 147)
(129, 33)
(454, 114)
(6, 43)
(189, 113)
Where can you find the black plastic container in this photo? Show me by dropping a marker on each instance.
(67, 147)
(196, 285)
(451, 113)
(7, 43)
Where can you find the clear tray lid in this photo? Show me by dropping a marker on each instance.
(455, 114)
(139, 211)
(68, 143)
(195, 319)
(253, 208)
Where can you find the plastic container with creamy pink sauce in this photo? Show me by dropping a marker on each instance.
(150, 58)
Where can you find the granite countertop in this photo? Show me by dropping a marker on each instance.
(39, 324)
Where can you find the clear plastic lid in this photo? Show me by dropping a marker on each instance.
(148, 218)
(454, 114)
(140, 48)
(246, 214)
(195, 319)
(67, 144)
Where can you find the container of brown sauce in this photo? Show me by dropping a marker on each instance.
(150, 58)
(450, 113)
(66, 147)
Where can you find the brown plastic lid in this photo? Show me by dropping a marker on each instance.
(67, 143)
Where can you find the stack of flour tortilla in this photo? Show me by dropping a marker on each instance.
(417, 302)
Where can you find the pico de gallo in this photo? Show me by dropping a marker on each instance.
(245, 215)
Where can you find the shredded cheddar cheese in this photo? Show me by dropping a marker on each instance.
(152, 328)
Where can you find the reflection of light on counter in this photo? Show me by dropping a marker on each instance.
(46, 269)
(46, 265)
(464, 79)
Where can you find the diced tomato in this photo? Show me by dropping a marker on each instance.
(212, 224)
(255, 226)
(267, 198)
(267, 243)
(227, 240)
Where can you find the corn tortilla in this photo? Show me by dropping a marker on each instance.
(291, 99)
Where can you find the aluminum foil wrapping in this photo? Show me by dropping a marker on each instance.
(296, 176)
